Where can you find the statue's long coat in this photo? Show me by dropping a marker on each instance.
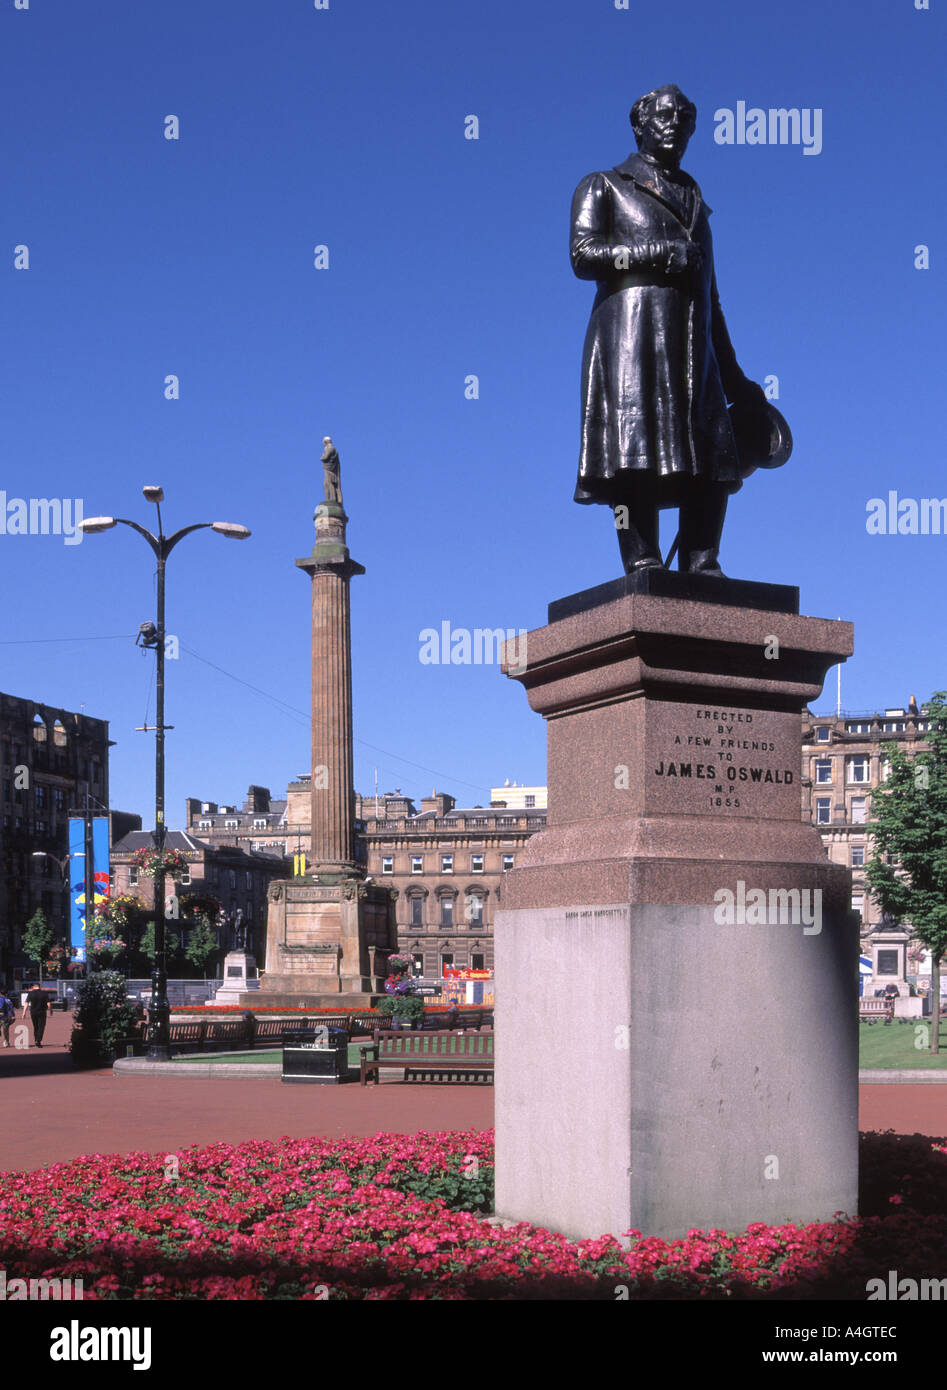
(658, 366)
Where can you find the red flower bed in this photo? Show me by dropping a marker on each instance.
(400, 1217)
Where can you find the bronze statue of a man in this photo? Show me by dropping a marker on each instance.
(658, 367)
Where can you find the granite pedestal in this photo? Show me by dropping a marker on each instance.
(676, 958)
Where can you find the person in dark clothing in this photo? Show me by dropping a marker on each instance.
(37, 1002)
(7, 1016)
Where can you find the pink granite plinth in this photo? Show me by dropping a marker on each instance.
(682, 913)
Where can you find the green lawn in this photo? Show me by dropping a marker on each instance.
(271, 1055)
(893, 1046)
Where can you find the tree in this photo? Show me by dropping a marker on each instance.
(38, 936)
(147, 944)
(909, 826)
(202, 943)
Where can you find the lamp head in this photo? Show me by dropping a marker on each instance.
(91, 524)
(231, 529)
(153, 494)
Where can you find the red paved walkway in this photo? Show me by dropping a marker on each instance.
(50, 1112)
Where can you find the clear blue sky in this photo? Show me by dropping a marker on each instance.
(447, 257)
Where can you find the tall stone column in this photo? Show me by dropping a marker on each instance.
(333, 799)
(329, 932)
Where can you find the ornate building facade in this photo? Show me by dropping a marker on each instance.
(844, 762)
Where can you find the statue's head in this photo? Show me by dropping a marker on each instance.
(663, 122)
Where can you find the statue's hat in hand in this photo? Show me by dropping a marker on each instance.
(762, 436)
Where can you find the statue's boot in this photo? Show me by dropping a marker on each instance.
(637, 527)
(702, 517)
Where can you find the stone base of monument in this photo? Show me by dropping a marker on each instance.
(322, 937)
(676, 958)
(239, 978)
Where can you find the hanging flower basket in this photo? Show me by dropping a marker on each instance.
(104, 950)
(174, 861)
(194, 905)
(117, 912)
(59, 958)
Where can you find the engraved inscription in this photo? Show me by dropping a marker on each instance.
(724, 760)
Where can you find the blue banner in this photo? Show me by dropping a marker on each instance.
(100, 868)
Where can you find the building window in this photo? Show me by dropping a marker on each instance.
(822, 733)
(858, 768)
(891, 859)
(476, 961)
(59, 735)
(39, 730)
(447, 863)
(858, 856)
(184, 877)
(260, 823)
(417, 912)
(447, 912)
(42, 828)
(447, 960)
(887, 963)
(507, 862)
(859, 810)
(823, 770)
(59, 799)
(206, 825)
(893, 726)
(417, 864)
(530, 802)
(231, 825)
(387, 864)
(476, 863)
(418, 962)
(884, 769)
(823, 810)
(133, 875)
(857, 728)
(474, 910)
(858, 903)
(233, 878)
(40, 798)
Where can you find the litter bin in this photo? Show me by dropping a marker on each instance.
(316, 1054)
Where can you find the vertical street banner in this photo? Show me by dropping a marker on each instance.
(100, 866)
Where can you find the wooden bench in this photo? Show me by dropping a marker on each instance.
(871, 1009)
(183, 1035)
(231, 1032)
(426, 1053)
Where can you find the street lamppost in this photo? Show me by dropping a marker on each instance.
(160, 1013)
(63, 865)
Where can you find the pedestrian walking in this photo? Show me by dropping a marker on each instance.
(7, 1016)
(37, 1002)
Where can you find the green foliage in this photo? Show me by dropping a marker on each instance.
(147, 944)
(202, 944)
(104, 1019)
(403, 1006)
(38, 936)
(909, 821)
(465, 1185)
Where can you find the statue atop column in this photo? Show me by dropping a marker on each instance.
(658, 368)
(331, 472)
